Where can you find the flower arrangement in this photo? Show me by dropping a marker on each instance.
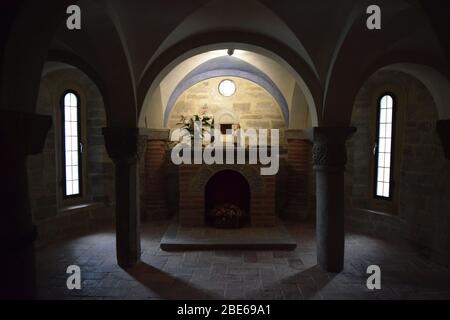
(189, 124)
(227, 216)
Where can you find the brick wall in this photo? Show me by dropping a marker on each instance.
(192, 182)
(154, 184)
(299, 178)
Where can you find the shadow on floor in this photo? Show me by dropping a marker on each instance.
(309, 283)
(320, 280)
(165, 285)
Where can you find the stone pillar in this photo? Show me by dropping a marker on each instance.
(329, 158)
(21, 134)
(125, 147)
(154, 205)
(299, 165)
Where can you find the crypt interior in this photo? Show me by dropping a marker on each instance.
(89, 119)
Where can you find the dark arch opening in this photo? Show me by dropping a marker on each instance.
(227, 187)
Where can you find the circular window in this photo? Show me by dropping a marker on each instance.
(227, 88)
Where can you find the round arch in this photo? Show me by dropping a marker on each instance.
(205, 173)
(257, 43)
(75, 61)
(427, 73)
(227, 187)
(228, 67)
(435, 82)
(422, 67)
(71, 60)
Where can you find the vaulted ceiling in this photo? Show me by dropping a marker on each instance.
(128, 46)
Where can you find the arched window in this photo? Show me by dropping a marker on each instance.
(71, 145)
(384, 156)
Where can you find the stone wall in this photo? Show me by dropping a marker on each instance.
(42, 168)
(100, 168)
(55, 216)
(422, 202)
(251, 106)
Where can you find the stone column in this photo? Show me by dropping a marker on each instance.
(21, 134)
(299, 165)
(154, 205)
(329, 158)
(125, 146)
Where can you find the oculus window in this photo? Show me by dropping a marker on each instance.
(227, 88)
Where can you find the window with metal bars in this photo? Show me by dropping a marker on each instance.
(384, 147)
(71, 145)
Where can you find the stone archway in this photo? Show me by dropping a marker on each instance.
(230, 67)
(290, 61)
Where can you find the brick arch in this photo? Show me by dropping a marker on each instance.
(192, 183)
(205, 173)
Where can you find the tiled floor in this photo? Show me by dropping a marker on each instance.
(237, 274)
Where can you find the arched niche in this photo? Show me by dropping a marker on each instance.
(227, 187)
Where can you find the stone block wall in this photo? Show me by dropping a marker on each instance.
(100, 168)
(42, 168)
(423, 205)
(55, 216)
(251, 106)
(73, 221)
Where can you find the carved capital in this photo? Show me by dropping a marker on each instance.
(443, 130)
(23, 132)
(329, 150)
(124, 144)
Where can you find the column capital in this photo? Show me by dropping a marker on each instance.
(443, 130)
(124, 144)
(329, 151)
(24, 132)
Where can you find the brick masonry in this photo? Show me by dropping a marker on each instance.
(299, 179)
(153, 195)
(165, 187)
(192, 182)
